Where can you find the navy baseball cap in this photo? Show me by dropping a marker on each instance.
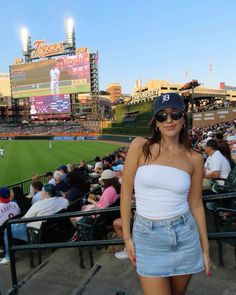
(168, 100)
(4, 194)
(63, 167)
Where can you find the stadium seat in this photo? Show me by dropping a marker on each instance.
(51, 231)
(98, 228)
(226, 222)
(229, 183)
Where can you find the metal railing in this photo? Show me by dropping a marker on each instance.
(13, 248)
(219, 196)
(25, 185)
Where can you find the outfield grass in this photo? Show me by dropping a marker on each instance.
(24, 158)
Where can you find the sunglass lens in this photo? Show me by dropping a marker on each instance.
(176, 115)
(161, 117)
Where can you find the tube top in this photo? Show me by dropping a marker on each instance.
(161, 191)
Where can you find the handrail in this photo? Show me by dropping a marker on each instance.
(12, 248)
(218, 196)
(231, 210)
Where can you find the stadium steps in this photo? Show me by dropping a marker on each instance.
(109, 275)
(60, 275)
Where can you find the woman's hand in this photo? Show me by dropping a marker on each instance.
(129, 245)
(207, 262)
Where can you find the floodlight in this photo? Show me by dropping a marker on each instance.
(70, 33)
(25, 40)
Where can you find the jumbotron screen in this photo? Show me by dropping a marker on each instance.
(49, 104)
(61, 75)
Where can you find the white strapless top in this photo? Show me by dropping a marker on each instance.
(161, 191)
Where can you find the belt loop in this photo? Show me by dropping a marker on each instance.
(184, 216)
(151, 224)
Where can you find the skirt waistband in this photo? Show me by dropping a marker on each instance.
(184, 216)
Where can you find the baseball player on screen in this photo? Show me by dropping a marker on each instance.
(54, 75)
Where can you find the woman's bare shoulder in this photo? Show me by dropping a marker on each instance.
(196, 158)
(139, 141)
(137, 145)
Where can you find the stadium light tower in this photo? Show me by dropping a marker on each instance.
(70, 34)
(26, 43)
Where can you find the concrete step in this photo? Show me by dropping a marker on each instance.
(60, 275)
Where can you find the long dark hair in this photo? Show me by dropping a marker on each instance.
(223, 147)
(112, 182)
(156, 138)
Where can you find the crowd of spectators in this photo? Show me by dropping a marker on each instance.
(72, 183)
(211, 106)
(43, 129)
(224, 131)
(75, 183)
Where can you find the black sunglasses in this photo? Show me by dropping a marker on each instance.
(175, 115)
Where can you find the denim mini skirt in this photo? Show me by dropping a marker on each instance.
(167, 247)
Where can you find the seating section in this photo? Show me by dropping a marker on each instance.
(229, 183)
(51, 231)
(226, 222)
(97, 228)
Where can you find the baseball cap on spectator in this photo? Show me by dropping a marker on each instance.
(98, 165)
(168, 100)
(63, 168)
(118, 167)
(4, 195)
(107, 174)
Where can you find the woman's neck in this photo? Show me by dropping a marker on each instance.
(168, 143)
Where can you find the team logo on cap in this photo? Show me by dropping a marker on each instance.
(165, 97)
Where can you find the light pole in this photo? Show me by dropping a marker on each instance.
(26, 43)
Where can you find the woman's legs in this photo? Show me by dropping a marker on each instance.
(176, 285)
(179, 284)
(155, 286)
(117, 225)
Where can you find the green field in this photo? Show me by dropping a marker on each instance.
(24, 158)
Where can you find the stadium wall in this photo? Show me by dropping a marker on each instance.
(144, 109)
(57, 136)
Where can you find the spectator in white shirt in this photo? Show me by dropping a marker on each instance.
(216, 165)
(50, 204)
(50, 178)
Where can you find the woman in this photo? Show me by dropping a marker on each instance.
(169, 241)
(17, 196)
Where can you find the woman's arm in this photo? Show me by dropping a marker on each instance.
(196, 205)
(130, 168)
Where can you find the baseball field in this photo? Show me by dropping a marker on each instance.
(24, 158)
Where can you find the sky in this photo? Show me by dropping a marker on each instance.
(174, 40)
